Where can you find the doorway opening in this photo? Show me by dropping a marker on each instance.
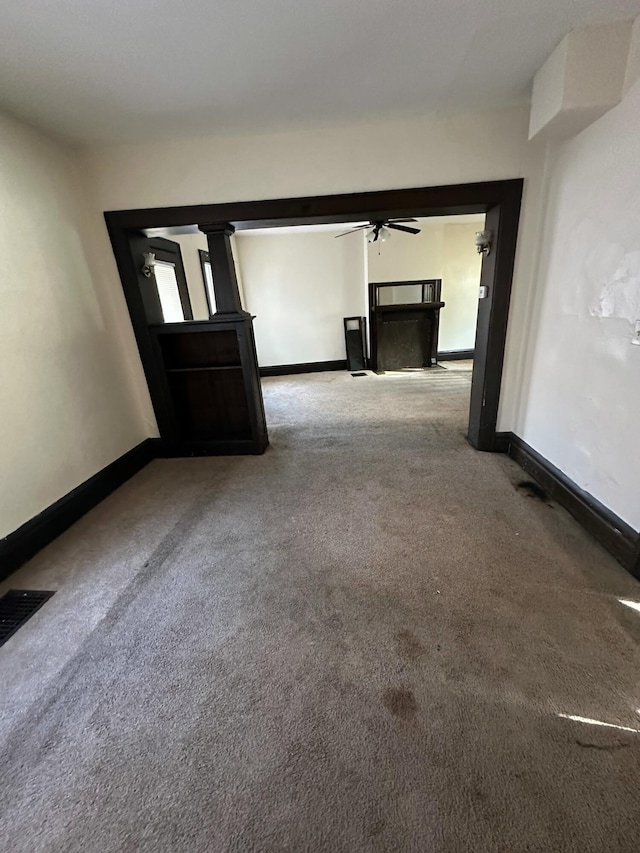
(423, 294)
(239, 392)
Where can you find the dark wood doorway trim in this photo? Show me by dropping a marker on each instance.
(499, 200)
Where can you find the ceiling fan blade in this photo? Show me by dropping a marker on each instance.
(402, 220)
(351, 230)
(403, 228)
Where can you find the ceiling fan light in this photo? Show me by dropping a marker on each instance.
(371, 236)
(384, 234)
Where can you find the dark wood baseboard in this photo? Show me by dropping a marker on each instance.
(26, 541)
(614, 534)
(455, 355)
(168, 449)
(309, 367)
(502, 442)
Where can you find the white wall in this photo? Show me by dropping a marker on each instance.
(580, 400)
(420, 151)
(461, 267)
(67, 396)
(445, 249)
(300, 285)
(407, 257)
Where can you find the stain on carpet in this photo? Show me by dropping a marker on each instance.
(377, 828)
(399, 702)
(533, 490)
(408, 645)
(607, 747)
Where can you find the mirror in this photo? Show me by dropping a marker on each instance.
(407, 293)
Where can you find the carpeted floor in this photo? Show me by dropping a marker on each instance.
(364, 640)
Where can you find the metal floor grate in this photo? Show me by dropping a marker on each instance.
(16, 607)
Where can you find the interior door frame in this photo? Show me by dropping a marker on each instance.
(500, 201)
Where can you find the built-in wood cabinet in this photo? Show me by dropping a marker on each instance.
(212, 396)
(203, 375)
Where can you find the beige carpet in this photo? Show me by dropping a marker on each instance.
(367, 640)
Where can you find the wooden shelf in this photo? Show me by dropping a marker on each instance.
(209, 367)
(203, 348)
(213, 402)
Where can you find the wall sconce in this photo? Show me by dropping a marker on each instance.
(149, 263)
(483, 242)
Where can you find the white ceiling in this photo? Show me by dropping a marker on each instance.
(99, 71)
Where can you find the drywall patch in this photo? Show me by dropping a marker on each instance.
(620, 296)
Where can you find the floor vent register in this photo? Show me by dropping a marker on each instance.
(18, 606)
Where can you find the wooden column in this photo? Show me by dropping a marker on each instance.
(223, 268)
(231, 315)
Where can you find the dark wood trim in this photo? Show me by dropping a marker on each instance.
(253, 386)
(456, 355)
(499, 200)
(491, 325)
(501, 442)
(176, 448)
(614, 534)
(309, 210)
(26, 541)
(308, 367)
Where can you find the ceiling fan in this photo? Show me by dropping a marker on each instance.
(380, 229)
